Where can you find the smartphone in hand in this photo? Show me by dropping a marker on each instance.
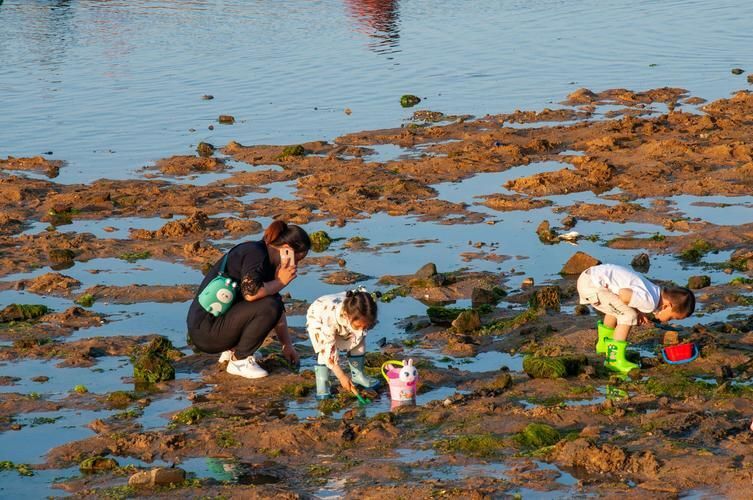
(286, 257)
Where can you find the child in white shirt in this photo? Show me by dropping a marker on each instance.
(626, 298)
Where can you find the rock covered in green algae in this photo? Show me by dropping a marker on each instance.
(409, 100)
(542, 367)
(60, 256)
(96, 464)
(467, 321)
(443, 315)
(536, 436)
(151, 363)
(554, 366)
(698, 282)
(205, 149)
(292, 151)
(547, 298)
(545, 233)
(22, 312)
(320, 241)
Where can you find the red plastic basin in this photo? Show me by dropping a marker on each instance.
(679, 352)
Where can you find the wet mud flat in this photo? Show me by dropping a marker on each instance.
(475, 230)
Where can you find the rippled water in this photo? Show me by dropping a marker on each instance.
(113, 85)
(110, 86)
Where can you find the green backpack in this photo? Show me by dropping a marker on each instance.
(219, 294)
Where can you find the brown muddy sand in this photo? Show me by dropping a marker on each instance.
(673, 431)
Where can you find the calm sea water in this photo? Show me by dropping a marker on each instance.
(113, 85)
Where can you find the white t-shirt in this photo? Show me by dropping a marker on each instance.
(646, 295)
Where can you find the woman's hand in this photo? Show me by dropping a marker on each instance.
(288, 350)
(286, 274)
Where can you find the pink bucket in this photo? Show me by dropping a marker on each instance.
(402, 379)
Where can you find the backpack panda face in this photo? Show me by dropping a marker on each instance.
(224, 296)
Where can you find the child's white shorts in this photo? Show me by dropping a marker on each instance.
(602, 299)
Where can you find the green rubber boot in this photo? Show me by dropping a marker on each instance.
(604, 333)
(616, 357)
(358, 376)
(322, 382)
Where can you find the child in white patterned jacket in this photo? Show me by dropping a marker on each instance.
(340, 322)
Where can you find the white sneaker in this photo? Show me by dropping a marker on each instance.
(247, 368)
(225, 357)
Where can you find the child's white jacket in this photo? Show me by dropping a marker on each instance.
(329, 330)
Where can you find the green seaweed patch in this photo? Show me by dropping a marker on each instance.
(741, 280)
(119, 399)
(473, 445)
(80, 389)
(128, 414)
(191, 416)
(152, 363)
(544, 367)
(292, 151)
(320, 241)
(134, 256)
(226, 439)
(553, 366)
(536, 436)
(393, 293)
(409, 100)
(677, 385)
(86, 300)
(503, 325)
(697, 251)
(298, 390)
(23, 312)
(97, 464)
(22, 469)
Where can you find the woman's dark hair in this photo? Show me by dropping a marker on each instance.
(360, 306)
(278, 233)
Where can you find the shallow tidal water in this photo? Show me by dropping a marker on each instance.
(113, 86)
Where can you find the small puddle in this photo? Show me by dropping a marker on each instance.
(40, 485)
(105, 376)
(229, 471)
(110, 228)
(30, 444)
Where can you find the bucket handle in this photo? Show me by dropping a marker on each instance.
(384, 372)
(692, 358)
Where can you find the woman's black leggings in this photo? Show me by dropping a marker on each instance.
(243, 327)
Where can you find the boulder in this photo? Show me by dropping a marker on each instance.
(161, 476)
(698, 282)
(467, 321)
(426, 271)
(579, 262)
(546, 233)
(641, 262)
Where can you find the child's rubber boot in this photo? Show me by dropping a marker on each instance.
(604, 333)
(357, 374)
(322, 382)
(616, 357)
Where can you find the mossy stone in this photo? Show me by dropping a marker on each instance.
(151, 364)
(292, 151)
(96, 464)
(443, 315)
(61, 255)
(547, 298)
(22, 312)
(205, 149)
(86, 300)
(320, 241)
(543, 367)
(698, 282)
(409, 100)
(536, 436)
